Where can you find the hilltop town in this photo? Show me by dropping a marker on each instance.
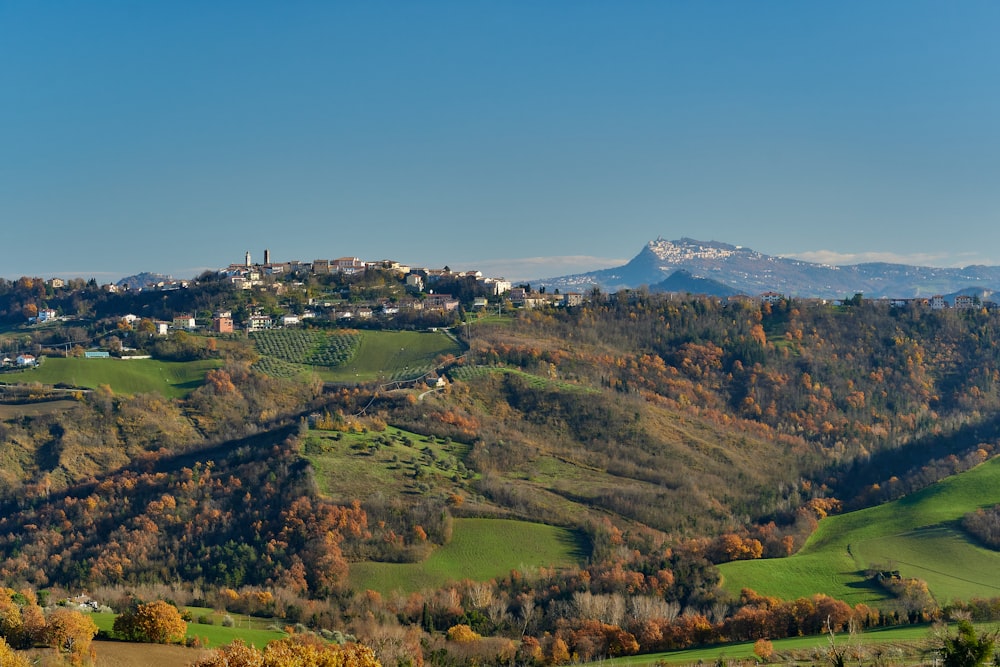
(81, 317)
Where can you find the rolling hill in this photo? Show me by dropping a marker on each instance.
(919, 535)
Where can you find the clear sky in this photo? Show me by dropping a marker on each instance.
(525, 138)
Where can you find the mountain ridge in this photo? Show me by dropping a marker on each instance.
(749, 271)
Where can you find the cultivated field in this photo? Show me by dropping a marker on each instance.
(291, 352)
(394, 355)
(919, 535)
(480, 550)
(352, 356)
(18, 410)
(173, 379)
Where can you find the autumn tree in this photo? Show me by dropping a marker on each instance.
(71, 632)
(157, 622)
(291, 652)
(763, 649)
(9, 657)
(236, 654)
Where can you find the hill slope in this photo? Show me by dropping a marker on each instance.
(919, 535)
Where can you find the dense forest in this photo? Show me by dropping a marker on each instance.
(674, 433)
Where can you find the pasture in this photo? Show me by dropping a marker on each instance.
(919, 535)
(896, 645)
(252, 630)
(173, 379)
(480, 550)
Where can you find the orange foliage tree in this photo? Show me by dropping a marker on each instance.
(70, 631)
(158, 622)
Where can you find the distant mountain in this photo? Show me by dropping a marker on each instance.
(750, 272)
(143, 280)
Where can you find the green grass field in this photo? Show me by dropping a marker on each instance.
(480, 550)
(899, 645)
(173, 379)
(250, 629)
(919, 535)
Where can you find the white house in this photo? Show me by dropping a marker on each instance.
(24, 360)
(771, 298)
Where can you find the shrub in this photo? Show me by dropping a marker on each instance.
(763, 649)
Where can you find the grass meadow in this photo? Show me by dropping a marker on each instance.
(904, 645)
(480, 550)
(173, 379)
(919, 535)
(252, 630)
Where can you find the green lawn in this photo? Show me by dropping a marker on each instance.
(919, 535)
(480, 549)
(173, 379)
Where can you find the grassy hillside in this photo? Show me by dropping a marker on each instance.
(902, 643)
(919, 535)
(480, 549)
(357, 466)
(173, 379)
(252, 630)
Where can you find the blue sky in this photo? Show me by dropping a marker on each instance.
(527, 139)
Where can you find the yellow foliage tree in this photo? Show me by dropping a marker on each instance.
(294, 651)
(158, 622)
(70, 631)
(9, 657)
(462, 633)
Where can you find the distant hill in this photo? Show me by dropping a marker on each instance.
(682, 282)
(751, 272)
(143, 280)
